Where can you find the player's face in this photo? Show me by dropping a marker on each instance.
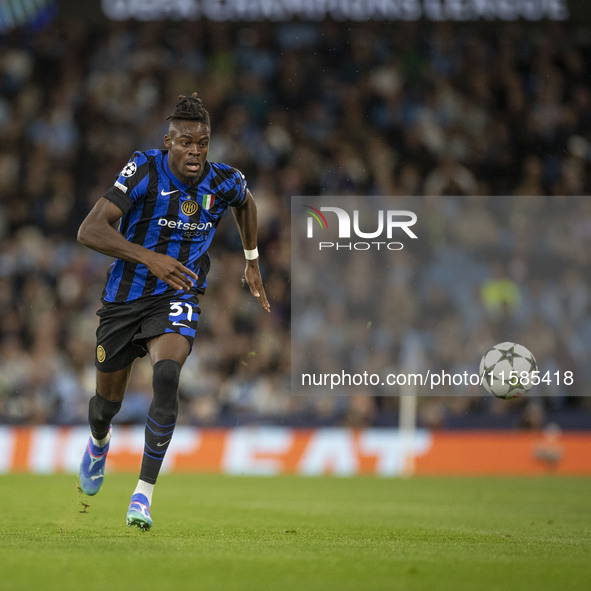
(188, 143)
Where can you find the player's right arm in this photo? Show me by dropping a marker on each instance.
(97, 232)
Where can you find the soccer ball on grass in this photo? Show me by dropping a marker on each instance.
(508, 370)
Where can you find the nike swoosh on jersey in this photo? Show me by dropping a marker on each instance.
(165, 193)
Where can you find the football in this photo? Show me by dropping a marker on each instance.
(508, 370)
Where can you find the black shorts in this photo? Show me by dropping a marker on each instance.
(125, 329)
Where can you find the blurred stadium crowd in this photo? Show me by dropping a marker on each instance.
(321, 108)
(483, 270)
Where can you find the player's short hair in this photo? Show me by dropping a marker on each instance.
(190, 108)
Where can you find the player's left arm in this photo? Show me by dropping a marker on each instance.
(246, 220)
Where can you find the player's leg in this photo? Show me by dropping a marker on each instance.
(114, 356)
(102, 407)
(168, 353)
(105, 404)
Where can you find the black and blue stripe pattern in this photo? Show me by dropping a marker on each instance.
(163, 214)
(158, 439)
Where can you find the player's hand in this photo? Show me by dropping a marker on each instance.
(252, 275)
(171, 271)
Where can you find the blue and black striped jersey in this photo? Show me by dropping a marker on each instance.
(165, 215)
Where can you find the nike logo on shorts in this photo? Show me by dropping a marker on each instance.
(180, 324)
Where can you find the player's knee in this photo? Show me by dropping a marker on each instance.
(100, 409)
(166, 376)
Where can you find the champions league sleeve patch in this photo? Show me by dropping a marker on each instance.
(129, 169)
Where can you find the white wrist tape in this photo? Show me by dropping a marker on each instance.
(250, 255)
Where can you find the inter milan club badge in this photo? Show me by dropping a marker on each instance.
(101, 355)
(189, 207)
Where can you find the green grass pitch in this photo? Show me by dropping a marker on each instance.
(285, 533)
